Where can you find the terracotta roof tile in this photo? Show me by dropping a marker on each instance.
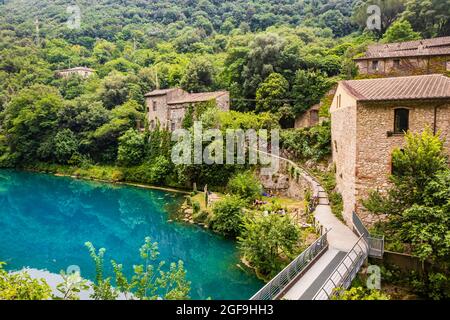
(433, 86)
(198, 97)
(159, 92)
(426, 47)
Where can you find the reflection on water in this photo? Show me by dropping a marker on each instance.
(45, 221)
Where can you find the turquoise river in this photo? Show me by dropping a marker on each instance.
(45, 221)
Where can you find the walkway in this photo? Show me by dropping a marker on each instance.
(340, 238)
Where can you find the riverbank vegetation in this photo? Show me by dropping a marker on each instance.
(151, 280)
(268, 234)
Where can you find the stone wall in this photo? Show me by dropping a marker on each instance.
(282, 184)
(404, 66)
(161, 115)
(374, 147)
(343, 140)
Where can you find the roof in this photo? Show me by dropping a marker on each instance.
(427, 47)
(433, 86)
(77, 69)
(198, 97)
(159, 92)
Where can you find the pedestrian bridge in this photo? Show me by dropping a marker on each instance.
(330, 263)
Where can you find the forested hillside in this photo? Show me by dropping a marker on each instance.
(278, 56)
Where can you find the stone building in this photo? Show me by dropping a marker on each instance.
(426, 56)
(308, 118)
(83, 72)
(368, 120)
(311, 117)
(168, 107)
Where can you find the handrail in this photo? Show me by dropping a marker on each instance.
(276, 286)
(375, 242)
(344, 280)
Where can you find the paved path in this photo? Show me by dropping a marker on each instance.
(340, 237)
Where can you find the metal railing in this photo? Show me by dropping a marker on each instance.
(343, 275)
(275, 287)
(376, 243)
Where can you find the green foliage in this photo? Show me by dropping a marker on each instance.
(150, 280)
(65, 145)
(418, 203)
(400, 31)
(71, 286)
(308, 88)
(199, 75)
(228, 215)
(272, 93)
(430, 18)
(360, 293)
(269, 242)
(131, 148)
(337, 205)
(308, 143)
(245, 185)
(20, 286)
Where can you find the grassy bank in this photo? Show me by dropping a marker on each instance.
(112, 174)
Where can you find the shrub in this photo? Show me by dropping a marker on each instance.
(308, 143)
(20, 286)
(245, 185)
(360, 293)
(269, 242)
(228, 216)
(131, 148)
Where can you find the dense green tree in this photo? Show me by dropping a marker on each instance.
(272, 94)
(400, 31)
(199, 75)
(308, 88)
(131, 148)
(65, 145)
(269, 242)
(390, 10)
(29, 119)
(228, 215)
(245, 185)
(431, 17)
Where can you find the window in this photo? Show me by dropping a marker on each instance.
(154, 105)
(152, 124)
(375, 65)
(397, 63)
(401, 120)
(335, 146)
(172, 126)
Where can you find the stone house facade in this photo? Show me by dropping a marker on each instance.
(426, 56)
(83, 72)
(168, 107)
(368, 121)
